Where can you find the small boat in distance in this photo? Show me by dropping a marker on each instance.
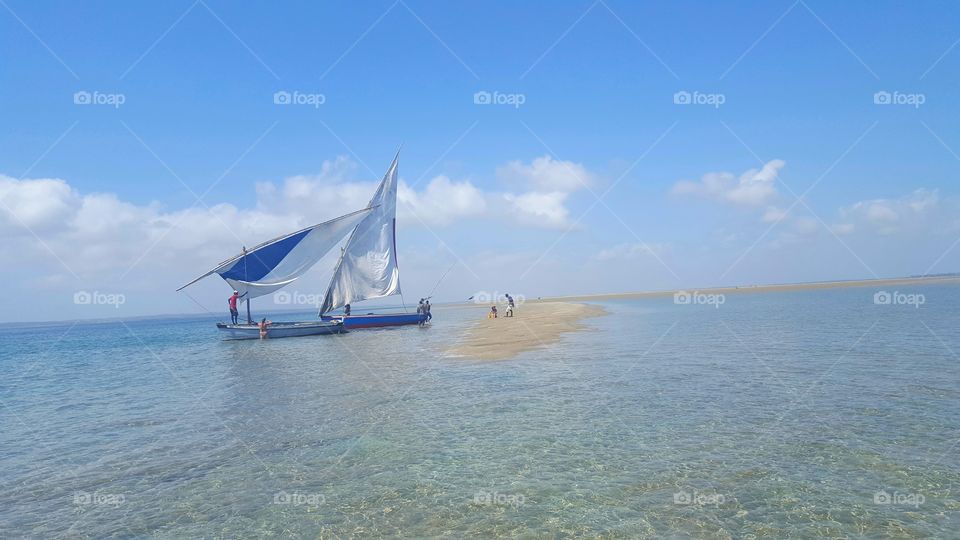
(368, 268)
(274, 264)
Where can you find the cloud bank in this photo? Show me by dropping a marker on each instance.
(100, 234)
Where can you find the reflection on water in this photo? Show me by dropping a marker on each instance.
(808, 414)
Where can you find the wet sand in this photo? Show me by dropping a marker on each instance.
(535, 325)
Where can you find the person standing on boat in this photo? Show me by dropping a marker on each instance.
(346, 310)
(232, 301)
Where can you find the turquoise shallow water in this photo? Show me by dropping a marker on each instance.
(801, 414)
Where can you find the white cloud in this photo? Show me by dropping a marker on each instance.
(442, 202)
(754, 188)
(544, 186)
(890, 216)
(774, 214)
(40, 204)
(545, 174)
(538, 209)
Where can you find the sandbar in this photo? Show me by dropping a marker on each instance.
(534, 326)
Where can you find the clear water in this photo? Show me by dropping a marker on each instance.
(774, 415)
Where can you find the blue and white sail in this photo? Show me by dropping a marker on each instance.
(368, 265)
(276, 263)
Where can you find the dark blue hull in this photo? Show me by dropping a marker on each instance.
(376, 320)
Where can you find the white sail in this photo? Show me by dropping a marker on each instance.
(368, 265)
(276, 263)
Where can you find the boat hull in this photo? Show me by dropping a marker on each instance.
(280, 329)
(375, 320)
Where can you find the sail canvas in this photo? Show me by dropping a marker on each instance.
(276, 263)
(368, 264)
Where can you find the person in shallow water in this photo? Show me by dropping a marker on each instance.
(263, 324)
(426, 309)
(232, 301)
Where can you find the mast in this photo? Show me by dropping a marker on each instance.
(367, 267)
(249, 318)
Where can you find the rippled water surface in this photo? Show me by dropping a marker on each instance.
(800, 414)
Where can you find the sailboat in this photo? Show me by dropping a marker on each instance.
(276, 263)
(368, 268)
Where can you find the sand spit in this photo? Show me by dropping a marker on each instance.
(536, 325)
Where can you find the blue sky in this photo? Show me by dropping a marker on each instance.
(97, 197)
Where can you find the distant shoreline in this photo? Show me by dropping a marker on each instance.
(890, 282)
(931, 280)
